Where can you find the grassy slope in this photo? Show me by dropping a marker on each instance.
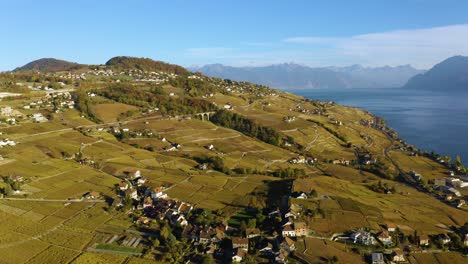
(38, 157)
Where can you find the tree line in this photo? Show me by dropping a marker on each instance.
(155, 98)
(246, 126)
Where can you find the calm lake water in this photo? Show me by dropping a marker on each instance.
(431, 121)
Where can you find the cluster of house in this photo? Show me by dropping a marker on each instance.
(138, 75)
(367, 123)
(289, 119)
(73, 76)
(303, 160)
(326, 103)
(444, 239)
(8, 111)
(302, 110)
(366, 238)
(341, 162)
(196, 77)
(6, 142)
(396, 256)
(47, 87)
(10, 115)
(449, 185)
(156, 204)
(60, 100)
(455, 182)
(335, 122)
(146, 133)
(243, 88)
(291, 227)
(208, 95)
(366, 158)
(155, 77)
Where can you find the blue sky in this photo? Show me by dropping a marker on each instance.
(235, 32)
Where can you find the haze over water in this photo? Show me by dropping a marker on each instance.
(432, 121)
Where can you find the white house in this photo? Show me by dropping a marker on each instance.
(158, 193)
(228, 106)
(7, 142)
(377, 258)
(38, 117)
(288, 231)
(239, 256)
(132, 193)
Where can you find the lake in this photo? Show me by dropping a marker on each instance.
(432, 121)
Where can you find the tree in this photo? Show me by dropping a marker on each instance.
(448, 159)
(7, 190)
(313, 193)
(250, 259)
(458, 161)
(156, 243)
(165, 232)
(252, 223)
(207, 259)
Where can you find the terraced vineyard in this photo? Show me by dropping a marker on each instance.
(62, 198)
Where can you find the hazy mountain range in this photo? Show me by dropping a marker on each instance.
(295, 76)
(450, 74)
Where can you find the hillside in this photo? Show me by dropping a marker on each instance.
(49, 65)
(294, 76)
(145, 64)
(450, 74)
(149, 166)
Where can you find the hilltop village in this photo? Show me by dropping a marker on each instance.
(138, 161)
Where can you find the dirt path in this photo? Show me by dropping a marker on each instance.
(53, 200)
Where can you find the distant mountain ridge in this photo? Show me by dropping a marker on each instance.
(116, 63)
(49, 65)
(290, 75)
(124, 62)
(450, 74)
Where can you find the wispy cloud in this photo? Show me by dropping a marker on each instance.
(420, 47)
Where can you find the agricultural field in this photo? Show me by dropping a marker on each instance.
(356, 205)
(110, 112)
(320, 251)
(442, 258)
(63, 181)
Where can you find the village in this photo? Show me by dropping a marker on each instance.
(157, 210)
(274, 239)
(215, 238)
